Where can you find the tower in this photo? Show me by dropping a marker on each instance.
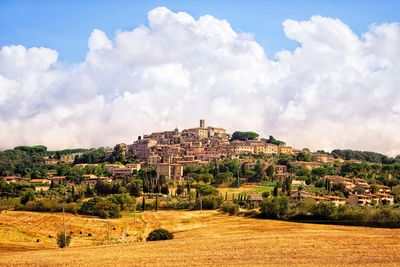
(202, 124)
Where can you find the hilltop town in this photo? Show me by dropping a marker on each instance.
(210, 155)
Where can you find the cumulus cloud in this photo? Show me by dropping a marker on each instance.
(336, 90)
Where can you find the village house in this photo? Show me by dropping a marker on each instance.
(383, 189)
(360, 199)
(69, 158)
(41, 184)
(385, 198)
(13, 179)
(240, 148)
(363, 189)
(336, 200)
(307, 164)
(83, 165)
(264, 148)
(255, 198)
(285, 150)
(134, 166)
(92, 179)
(281, 172)
(171, 171)
(49, 161)
(347, 182)
(112, 167)
(298, 195)
(322, 158)
(141, 148)
(58, 179)
(122, 171)
(39, 181)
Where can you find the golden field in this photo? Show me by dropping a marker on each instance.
(201, 238)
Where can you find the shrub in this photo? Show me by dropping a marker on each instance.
(275, 208)
(223, 177)
(266, 194)
(206, 189)
(165, 190)
(230, 208)
(63, 241)
(125, 201)
(103, 208)
(160, 234)
(179, 205)
(28, 195)
(324, 211)
(210, 202)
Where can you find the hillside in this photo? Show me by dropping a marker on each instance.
(201, 238)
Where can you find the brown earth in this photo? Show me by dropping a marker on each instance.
(201, 238)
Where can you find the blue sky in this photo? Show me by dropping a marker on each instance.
(139, 81)
(66, 25)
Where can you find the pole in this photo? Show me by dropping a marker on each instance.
(238, 179)
(201, 203)
(134, 214)
(65, 228)
(108, 232)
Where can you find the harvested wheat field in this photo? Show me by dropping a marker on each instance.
(201, 238)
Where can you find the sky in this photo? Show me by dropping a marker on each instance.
(318, 74)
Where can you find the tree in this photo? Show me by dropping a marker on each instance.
(63, 240)
(304, 156)
(205, 190)
(223, 177)
(270, 171)
(160, 234)
(272, 140)
(259, 169)
(275, 192)
(101, 207)
(243, 136)
(275, 208)
(135, 187)
(28, 195)
(288, 185)
(266, 194)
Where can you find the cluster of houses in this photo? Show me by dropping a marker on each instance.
(360, 193)
(169, 151)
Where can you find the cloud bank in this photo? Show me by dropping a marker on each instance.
(336, 90)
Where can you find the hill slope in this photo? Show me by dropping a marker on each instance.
(209, 238)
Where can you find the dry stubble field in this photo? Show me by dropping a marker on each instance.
(201, 238)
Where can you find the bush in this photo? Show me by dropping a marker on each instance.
(62, 241)
(103, 208)
(179, 205)
(266, 194)
(28, 195)
(210, 202)
(230, 208)
(125, 201)
(160, 234)
(223, 177)
(206, 189)
(324, 211)
(275, 208)
(47, 205)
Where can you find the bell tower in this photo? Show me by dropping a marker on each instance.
(202, 123)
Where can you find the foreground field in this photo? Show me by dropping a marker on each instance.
(207, 238)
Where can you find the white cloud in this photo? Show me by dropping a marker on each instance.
(336, 90)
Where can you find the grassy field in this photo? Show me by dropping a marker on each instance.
(201, 238)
